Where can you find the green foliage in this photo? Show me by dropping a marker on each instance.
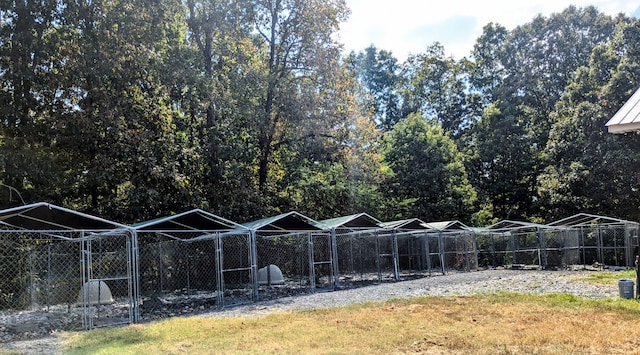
(589, 169)
(428, 172)
(379, 73)
(135, 109)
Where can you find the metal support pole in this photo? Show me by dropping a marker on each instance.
(334, 259)
(512, 240)
(475, 248)
(312, 264)
(254, 264)
(427, 251)
(542, 255)
(441, 251)
(396, 267)
(378, 266)
(219, 265)
(134, 269)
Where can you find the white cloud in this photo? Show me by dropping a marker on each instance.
(409, 26)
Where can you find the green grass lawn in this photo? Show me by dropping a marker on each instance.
(503, 323)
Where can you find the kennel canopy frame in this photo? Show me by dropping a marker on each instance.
(287, 224)
(412, 224)
(455, 229)
(355, 225)
(351, 223)
(511, 229)
(195, 221)
(43, 216)
(508, 226)
(199, 225)
(409, 228)
(446, 226)
(586, 220)
(283, 224)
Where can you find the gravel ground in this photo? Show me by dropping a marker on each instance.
(459, 284)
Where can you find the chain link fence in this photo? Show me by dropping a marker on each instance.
(367, 257)
(293, 263)
(61, 280)
(610, 245)
(187, 272)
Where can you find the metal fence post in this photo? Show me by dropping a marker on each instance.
(312, 264)
(396, 271)
(334, 259)
(441, 251)
(254, 264)
(427, 251)
(219, 267)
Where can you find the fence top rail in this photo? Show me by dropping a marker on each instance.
(360, 221)
(189, 221)
(66, 235)
(289, 222)
(585, 219)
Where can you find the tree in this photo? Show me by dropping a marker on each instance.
(124, 155)
(379, 74)
(589, 169)
(522, 74)
(502, 162)
(429, 176)
(29, 97)
(436, 89)
(299, 54)
(337, 171)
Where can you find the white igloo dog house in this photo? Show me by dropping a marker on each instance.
(270, 275)
(95, 293)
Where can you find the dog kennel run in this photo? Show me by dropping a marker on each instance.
(582, 239)
(193, 261)
(294, 255)
(64, 270)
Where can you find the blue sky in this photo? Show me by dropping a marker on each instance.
(409, 26)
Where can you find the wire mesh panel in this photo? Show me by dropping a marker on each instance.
(412, 253)
(494, 249)
(358, 261)
(571, 247)
(459, 251)
(526, 247)
(322, 255)
(557, 250)
(435, 248)
(387, 254)
(61, 280)
(613, 245)
(236, 269)
(283, 265)
(107, 295)
(177, 274)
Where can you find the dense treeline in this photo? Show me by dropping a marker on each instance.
(141, 108)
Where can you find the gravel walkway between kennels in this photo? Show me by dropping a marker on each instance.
(454, 284)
